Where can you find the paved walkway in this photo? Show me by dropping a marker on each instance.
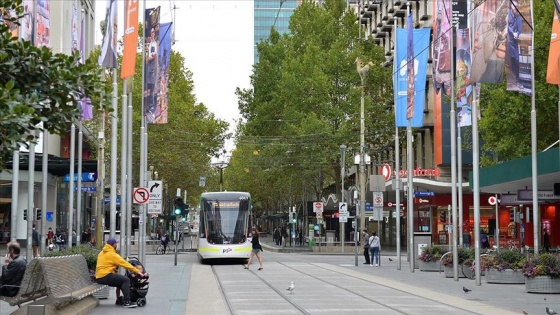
(193, 288)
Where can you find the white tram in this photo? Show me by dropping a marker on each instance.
(225, 225)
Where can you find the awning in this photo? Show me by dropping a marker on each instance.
(510, 176)
(57, 166)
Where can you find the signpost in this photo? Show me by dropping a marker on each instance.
(141, 195)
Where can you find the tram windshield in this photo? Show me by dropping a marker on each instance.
(225, 221)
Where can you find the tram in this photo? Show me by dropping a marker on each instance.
(225, 225)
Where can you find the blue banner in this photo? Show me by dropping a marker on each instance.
(421, 45)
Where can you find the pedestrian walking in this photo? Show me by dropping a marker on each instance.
(35, 242)
(374, 248)
(256, 251)
(365, 242)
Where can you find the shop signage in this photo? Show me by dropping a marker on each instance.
(388, 173)
(541, 195)
(511, 200)
(86, 177)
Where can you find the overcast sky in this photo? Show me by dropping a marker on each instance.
(216, 39)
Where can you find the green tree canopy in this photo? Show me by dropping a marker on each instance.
(39, 90)
(305, 102)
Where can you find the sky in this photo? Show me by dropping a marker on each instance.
(216, 39)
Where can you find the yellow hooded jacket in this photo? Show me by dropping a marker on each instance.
(108, 261)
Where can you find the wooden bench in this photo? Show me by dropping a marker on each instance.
(55, 281)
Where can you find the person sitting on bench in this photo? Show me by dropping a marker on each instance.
(12, 271)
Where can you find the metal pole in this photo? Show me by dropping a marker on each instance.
(79, 190)
(114, 157)
(44, 189)
(30, 206)
(476, 183)
(497, 231)
(71, 186)
(362, 163)
(129, 178)
(397, 171)
(143, 147)
(536, 210)
(15, 196)
(410, 185)
(453, 127)
(124, 133)
(342, 173)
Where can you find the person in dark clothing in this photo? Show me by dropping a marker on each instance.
(365, 242)
(35, 242)
(164, 242)
(484, 241)
(277, 237)
(257, 249)
(546, 241)
(12, 271)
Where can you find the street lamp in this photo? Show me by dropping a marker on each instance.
(221, 165)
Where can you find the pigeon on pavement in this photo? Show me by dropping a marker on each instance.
(466, 290)
(390, 259)
(525, 313)
(291, 287)
(550, 311)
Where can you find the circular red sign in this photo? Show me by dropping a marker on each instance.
(386, 171)
(318, 205)
(492, 200)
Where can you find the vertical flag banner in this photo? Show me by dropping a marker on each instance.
(130, 39)
(151, 61)
(519, 50)
(43, 25)
(441, 51)
(553, 68)
(410, 69)
(74, 28)
(463, 87)
(489, 47)
(421, 38)
(164, 56)
(108, 57)
(26, 27)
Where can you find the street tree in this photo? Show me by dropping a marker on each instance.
(39, 89)
(305, 102)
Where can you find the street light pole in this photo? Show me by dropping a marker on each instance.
(342, 164)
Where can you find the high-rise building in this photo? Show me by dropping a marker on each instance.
(271, 14)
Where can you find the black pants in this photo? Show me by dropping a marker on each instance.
(117, 281)
(366, 255)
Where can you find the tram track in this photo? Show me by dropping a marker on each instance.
(365, 297)
(236, 291)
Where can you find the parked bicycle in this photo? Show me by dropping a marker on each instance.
(468, 267)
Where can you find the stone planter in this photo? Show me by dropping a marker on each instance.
(542, 284)
(448, 271)
(507, 276)
(429, 266)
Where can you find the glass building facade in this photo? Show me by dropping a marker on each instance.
(271, 13)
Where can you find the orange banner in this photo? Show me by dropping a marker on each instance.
(130, 38)
(553, 69)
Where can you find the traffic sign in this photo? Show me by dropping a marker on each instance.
(155, 187)
(154, 206)
(492, 200)
(318, 207)
(343, 208)
(141, 195)
(378, 199)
